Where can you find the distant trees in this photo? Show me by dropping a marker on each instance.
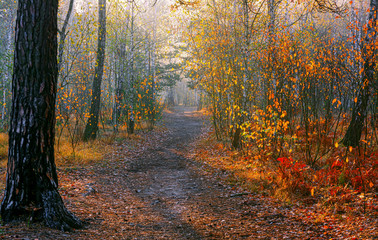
(133, 62)
(133, 71)
(32, 183)
(7, 19)
(63, 33)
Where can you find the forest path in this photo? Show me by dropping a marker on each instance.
(151, 188)
(160, 192)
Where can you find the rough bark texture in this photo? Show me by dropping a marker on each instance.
(353, 134)
(91, 128)
(31, 192)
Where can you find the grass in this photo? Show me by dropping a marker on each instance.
(73, 151)
(3, 149)
(84, 153)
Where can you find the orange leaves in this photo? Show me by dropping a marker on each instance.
(338, 102)
(271, 96)
(310, 66)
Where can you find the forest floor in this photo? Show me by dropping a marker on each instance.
(152, 187)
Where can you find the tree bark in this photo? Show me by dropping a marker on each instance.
(91, 128)
(32, 184)
(353, 134)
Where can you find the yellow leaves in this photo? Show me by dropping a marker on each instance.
(336, 144)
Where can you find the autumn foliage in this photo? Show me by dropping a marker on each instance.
(282, 81)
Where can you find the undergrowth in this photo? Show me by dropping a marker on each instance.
(343, 180)
(73, 151)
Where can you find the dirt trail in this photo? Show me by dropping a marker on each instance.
(155, 191)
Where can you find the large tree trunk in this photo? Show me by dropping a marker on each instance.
(31, 192)
(91, 128)
(353, 134)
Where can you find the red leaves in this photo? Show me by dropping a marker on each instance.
(337, 164)
(290, 164)
(293, 175)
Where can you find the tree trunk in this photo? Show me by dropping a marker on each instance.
(200, 101)
(32, 184)
(91, 128)
(353, 134)
(171, 97)
(130, 78)
(153, 70)
(63, 35)
(119, 78)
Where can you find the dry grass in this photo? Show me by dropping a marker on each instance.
(3, 149)
(80, 153)
(83, 154)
